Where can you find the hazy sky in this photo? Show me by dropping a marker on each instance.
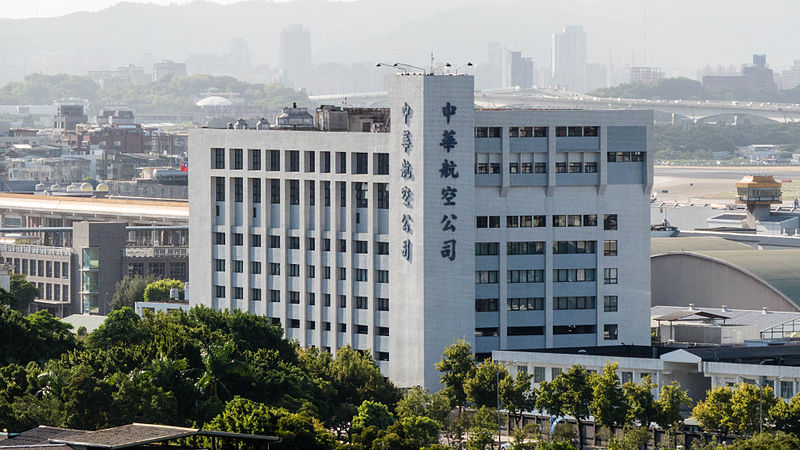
(17, 9)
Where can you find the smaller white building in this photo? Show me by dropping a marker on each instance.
(696, 369)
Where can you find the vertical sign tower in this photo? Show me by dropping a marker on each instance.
(432, 223)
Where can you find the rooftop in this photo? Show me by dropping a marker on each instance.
(178, 210)
(742, 317)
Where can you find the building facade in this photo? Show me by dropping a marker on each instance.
(508, 228)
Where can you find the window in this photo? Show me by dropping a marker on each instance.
(382, 276)
(525, 248)
(573, 275)
(238, 266)
(275, 192)
(341, 245)
(610, 303)
(382, 304)
(486, 332)
(486, 248)
(525, 221)
(294, 243)
(342, 301)
(326, 272)
(360, 247)
(274, 295)
(255, 294)
(540, 167)
(590, 131)
(383, 356)
(561, 167)
(610, 275)
(326, 301)
(255, 159)
(512, 221)
(525, 304)
(311, 192)
(527, 167)
(565, 247)
(311, 299)
(575, 167)
(341, 273)
(238, 190)
(237, 159)
(220, 191)
(637, 157)
(274, 268)
(566, 303)
(293, 161)
(383, 331)
(361, 302)
(485, 277)
(590, 220)
(513, 167)
(255, 267)
(610, 248)
(494, 167)
(494, 221)
(525, 331)
(787, 389)
(362, 329)
(610, 332)
(219, 239)
(219, 291)
(481, 168)
(360, 274)
(381, 163)
(274, 241)
(382, 190)
(238, 239)
(590, 167)
(294, 192)
(326, 245)
(574, 220)
(311, 243)
(294, 297)
(525, 276)
(310, 271)
(574, 329)
(255, 188)
(486, 304)
(538, 374)
(361, 163)
(219, 265)
(382, 248)
(482, 222)
(539, 221)
(555, 372)
(626, 377)
(219, 158)
(255, 240)
(560, 221)
(294, 270)
(610, 222)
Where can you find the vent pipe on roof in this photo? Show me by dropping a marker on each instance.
(691, 306)
(725, 308)
(764, 310)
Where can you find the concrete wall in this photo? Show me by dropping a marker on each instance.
(680, 279)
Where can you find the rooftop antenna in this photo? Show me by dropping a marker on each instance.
(431, 63)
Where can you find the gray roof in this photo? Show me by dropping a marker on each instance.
(139, 434)
(685, 314)
(693, 244)
(741, 317)
(38, 436)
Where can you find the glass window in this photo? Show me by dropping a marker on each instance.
(610, 303)
(610, 248)
(610, 275)
(610, 222)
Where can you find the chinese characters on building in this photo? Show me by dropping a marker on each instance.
(406, 194)
(448, 173)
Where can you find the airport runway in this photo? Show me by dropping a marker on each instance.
(716, 184)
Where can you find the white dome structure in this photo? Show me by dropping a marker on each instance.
(214, 101)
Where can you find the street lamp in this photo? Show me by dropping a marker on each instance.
(403, 65)
(448, 65)
(761, 387)
(497, 374)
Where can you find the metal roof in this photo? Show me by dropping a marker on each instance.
(778, 269)
(685, 314)
(736, 317)
(139, 434)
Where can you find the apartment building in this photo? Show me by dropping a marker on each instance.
(512, 229)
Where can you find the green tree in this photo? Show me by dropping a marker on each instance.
(570, 393)
(371, 414)
(715, 412)
(129, 290)
(481, 386)
(456, 367)
(764, 441)
(420, 431)
(484, 425)
(158, 291)
(786, 416)
(631, 439)
(642, 407)
(23, 291)
(668, 407)
(220, 362)
(746, 402)
(122, 328)
(517, 396)
(608, 404)
(418, 402)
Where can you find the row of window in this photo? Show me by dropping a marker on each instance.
(483, 168)
(360, 188)
(272, 160)
(495, 132)
(362, 247)
(274, 296)
(616, 157)
(293, 270)
(610, 276)
(340, 327)
(559, 220)
(38, 267)
(610, 332)
(537, 303)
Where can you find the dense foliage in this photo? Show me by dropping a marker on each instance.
(686, 89)
(171, 94)
(698, 142)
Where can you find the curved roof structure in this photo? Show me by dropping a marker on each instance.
(776, 270)
(214, 100)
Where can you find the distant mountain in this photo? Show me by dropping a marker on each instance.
(682, 35)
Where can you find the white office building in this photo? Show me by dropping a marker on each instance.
(512, 229)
